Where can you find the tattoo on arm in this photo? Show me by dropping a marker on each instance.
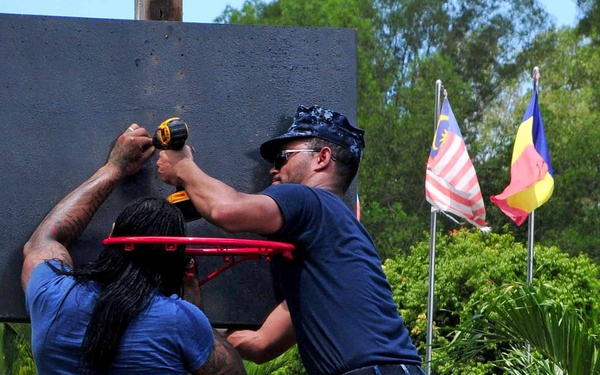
(224, 359)
(70, 217)
(67, 220)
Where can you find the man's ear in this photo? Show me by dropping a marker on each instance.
(324, 158)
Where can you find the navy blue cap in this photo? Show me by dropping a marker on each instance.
(321, 123)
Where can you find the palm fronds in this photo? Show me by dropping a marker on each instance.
(565, 341)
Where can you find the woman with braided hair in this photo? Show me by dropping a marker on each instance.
(122, 313)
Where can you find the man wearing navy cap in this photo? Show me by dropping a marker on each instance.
(338, 304)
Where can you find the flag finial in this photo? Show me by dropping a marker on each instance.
(536, 78)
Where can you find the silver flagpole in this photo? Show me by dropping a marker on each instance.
(531, 224)
(432, 230)
(531, 221)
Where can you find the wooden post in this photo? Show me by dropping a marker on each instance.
(159, 10)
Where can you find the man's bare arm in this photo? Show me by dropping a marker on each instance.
(274, 337)
(216, 201)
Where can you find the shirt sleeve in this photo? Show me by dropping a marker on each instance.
(44, 279)
(296, 203)
(195, 333)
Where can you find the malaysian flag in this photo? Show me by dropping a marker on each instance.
(451, 183)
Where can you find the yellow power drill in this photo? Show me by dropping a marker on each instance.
(171, 135)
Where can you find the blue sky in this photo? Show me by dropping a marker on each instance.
(203, 11)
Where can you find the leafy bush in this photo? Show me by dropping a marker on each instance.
(469, 268)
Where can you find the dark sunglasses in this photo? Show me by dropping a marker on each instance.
(284, 155)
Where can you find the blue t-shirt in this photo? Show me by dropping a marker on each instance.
(171, 336)
(340, 301)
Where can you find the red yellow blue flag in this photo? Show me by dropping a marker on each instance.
(531, 173)
(450, 182)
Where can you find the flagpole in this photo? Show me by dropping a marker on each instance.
(432, 231)
(531, 225)
(531, 221)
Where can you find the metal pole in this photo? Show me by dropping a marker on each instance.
(531, 225)
(530, 230)
(531, 221)
(432, 231)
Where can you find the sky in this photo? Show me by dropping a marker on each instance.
(200, 11)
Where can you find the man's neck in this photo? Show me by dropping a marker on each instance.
(324, 183)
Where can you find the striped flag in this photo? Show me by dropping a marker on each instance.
(451, 183)
(531, 173)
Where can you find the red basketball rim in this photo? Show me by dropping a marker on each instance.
(208, 245)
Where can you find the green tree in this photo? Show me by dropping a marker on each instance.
(588, 24)
(473, 48)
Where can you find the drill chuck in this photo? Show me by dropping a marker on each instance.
(171, 134)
